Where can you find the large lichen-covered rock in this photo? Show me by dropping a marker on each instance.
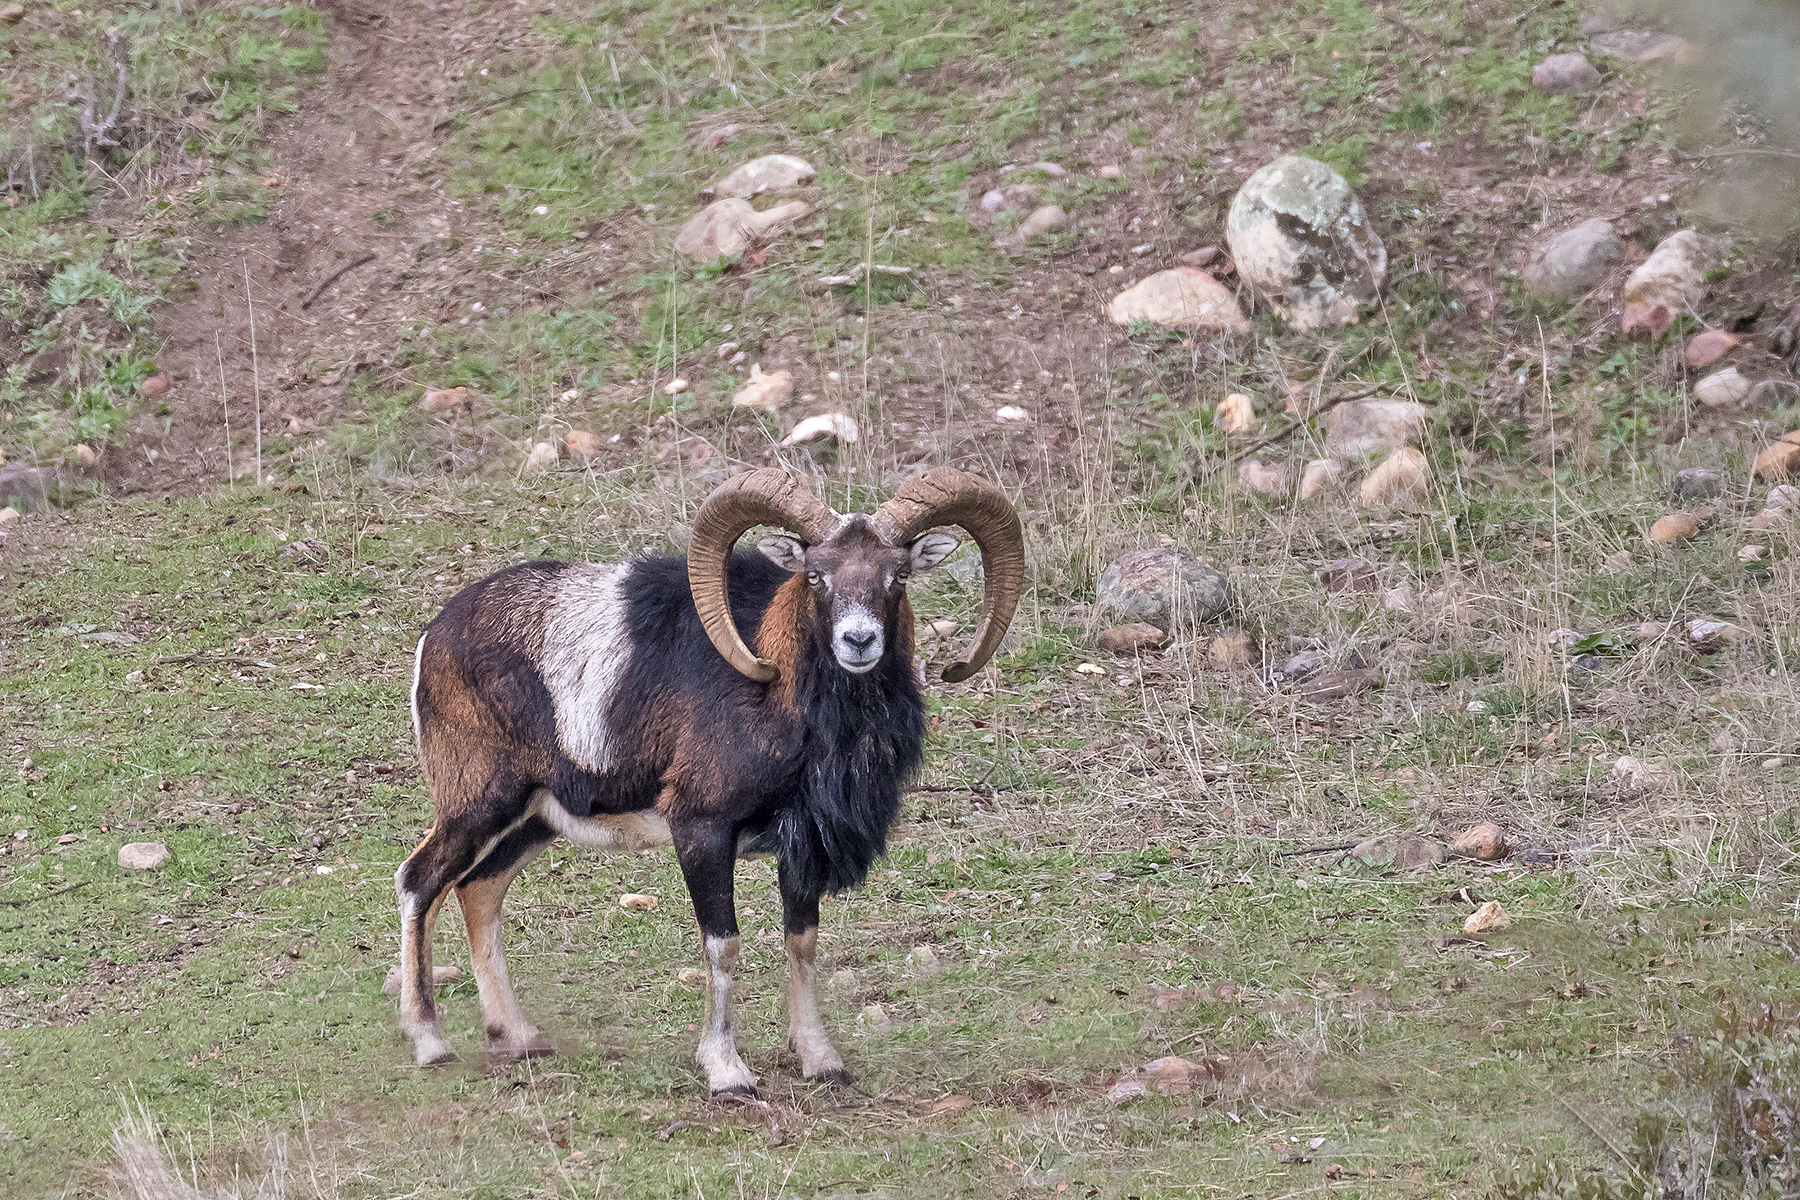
(1166, 588)
(1300, 237)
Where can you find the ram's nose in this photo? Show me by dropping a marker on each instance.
(861, 641)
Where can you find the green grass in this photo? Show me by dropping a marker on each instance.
(1087, 922)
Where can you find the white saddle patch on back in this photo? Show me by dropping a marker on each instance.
(612, 831)
(585, 654)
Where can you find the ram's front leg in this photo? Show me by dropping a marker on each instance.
(819, 1059)
(707, 852)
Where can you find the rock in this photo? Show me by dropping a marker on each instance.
(691, 454)
(1779, 461)
(1676, 527)
(1722, 389)
(992, 200)
(1011, 414)
(949, 1106)
(1697, 483)
(1179, 298)
(1365, 426)
(12, 14)
(143, 856)
(1235, 414)
(437, 400)
(1400, 852)
(1109, 171)
(1336, 685)
(1303, 665)
(842, 983)
(1231, 649)
(1768, 518)
(1320, 476)
(692, 976)
(1638, 45)
(1712, 637)
(1169, 1076)
(1130, 639)
(924, 960)
(1751, 553)
(712, 139)
(1574, 262)
(1562, 639)
(1564, 73)
(1402, 598)
(638, 902)
(1709, 346)
(727, 228)
(764, 390)
(156, 385)
(1348, 575)
(1783, 498)
(1403, 477)
(441, 977)
(584, 444)
(769, 175)
(1299, 235)
(1166, 588)
(85, 454)
(675, 386)
(8, 516)
(543, 456)
(1666, 285)
(874, 1017)
(27, 487)
(1262, 479)
(1641, 775)
(1483, 841)
(1043, 220)
(819, 428)
(1489, 918)
(1198, 258)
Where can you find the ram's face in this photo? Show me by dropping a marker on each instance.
(857, 582)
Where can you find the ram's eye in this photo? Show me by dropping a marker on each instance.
(814, 578)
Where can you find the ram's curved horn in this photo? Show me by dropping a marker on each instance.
(766, 497)
(947, 496)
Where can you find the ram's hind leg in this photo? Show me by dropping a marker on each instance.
(819, 1059)
(462, 836)
(480, 895)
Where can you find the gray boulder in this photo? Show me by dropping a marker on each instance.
(1574, 262)
(1169, 589)
(1300, 237)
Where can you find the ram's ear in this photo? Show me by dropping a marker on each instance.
(788, 553)
(933, 549)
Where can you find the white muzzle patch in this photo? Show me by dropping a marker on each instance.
(856, 641)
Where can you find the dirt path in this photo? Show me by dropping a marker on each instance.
(358, 203)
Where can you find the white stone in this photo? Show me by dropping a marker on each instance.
(1320, 476)
(1043, 220)
(1723, 389)
(1666, 285)
(1300, 237)
(769, 175)
(1235, 414)
(1263, 479)
(143, 856)
(827, 425)
(764, 390)
(1403, 476)
(543, 456)
(1011, 413)
(1365, 426)
(1179, 298)
(727, 228)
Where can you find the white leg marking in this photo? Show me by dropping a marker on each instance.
(718, 1055)
(806, 1032)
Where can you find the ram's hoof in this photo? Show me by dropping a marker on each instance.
(836, 1077)
(737, 1091)
(538, 1046)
